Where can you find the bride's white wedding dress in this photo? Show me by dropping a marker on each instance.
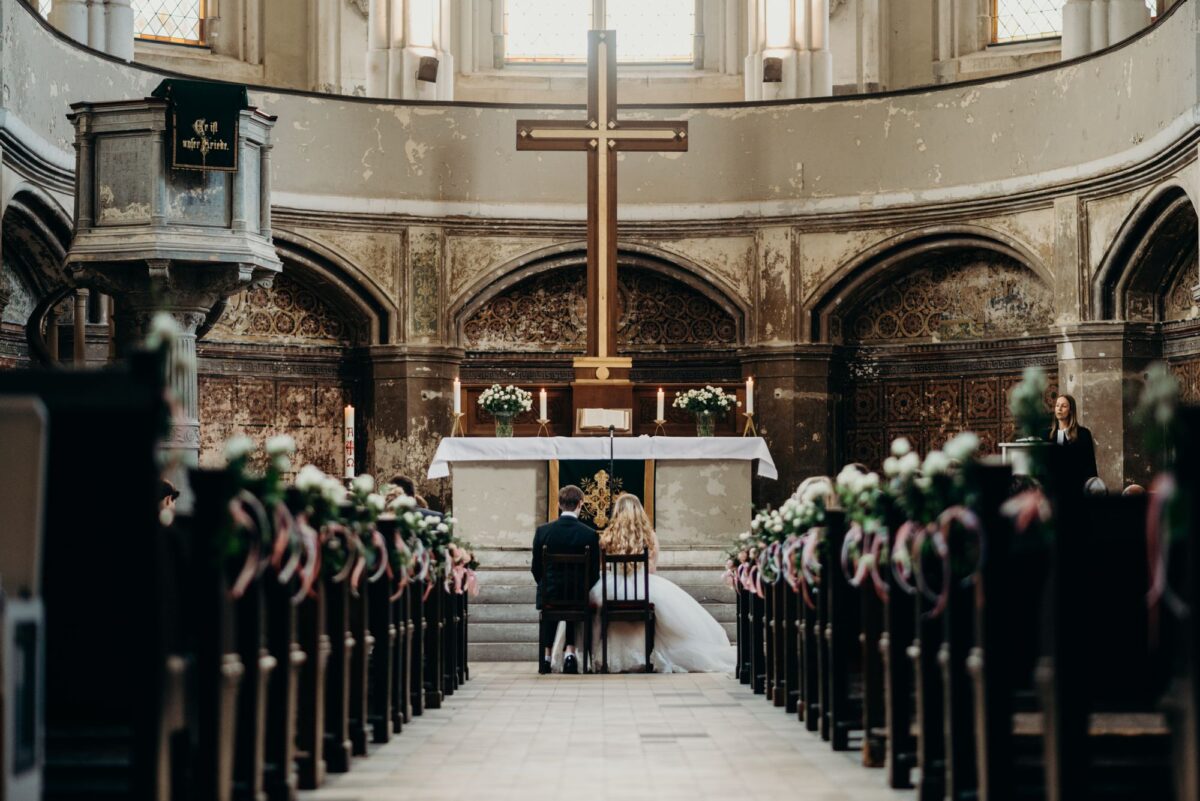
(686, 637)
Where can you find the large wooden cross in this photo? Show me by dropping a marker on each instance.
(602, 136)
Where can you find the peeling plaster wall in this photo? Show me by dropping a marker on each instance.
(337, 153)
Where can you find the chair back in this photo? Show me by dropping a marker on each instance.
(570, 579)
(625, 579)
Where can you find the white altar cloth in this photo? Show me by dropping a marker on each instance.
(536, 449)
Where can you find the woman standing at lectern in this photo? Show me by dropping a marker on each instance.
(1079, 447)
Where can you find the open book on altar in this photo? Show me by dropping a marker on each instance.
(597, 421)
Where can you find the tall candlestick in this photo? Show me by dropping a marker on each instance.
(750, 395)
(661, 400)
(457, 396)
(542, 405)
(348, 422)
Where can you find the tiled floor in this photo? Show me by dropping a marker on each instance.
(510, 734)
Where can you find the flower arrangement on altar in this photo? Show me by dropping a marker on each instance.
(505, 403)
(501, 400)
(316, 529)
(705, 404)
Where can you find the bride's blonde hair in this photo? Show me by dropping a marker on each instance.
(630, 530)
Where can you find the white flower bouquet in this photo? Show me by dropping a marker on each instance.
(709, 399)
(505, 400)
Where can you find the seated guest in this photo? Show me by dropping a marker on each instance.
(166, 502)
(1134, 489)
(409, 488)
(1079, 448)
(1095, 486)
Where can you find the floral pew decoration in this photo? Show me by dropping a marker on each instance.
(782, 543)
(316, 528)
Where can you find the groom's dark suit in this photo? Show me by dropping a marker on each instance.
(567, 534)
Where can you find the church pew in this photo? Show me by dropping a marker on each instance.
(257, 664)
(1103, 736)
(419, 626)
(117, 703)
(402, 694)
(768, 639)
(809, 703)
(993, 484)
(1184, 705)
(464, 650)
(758, 654)
(791, 649)
(874, 703)
(279, 756)
(313, 639)
(821, 620)
(434, 650)
(360, 659)
(779, 692)
(928, 699)
(450, 638)
(841, 634)
(381, 670)
(338, 746)
(899, 623)
(744, 638)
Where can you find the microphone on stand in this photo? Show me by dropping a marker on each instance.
(611, 475)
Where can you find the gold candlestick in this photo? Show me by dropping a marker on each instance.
(542, 430)
(749, 430)
(457, 430)
(658, 427)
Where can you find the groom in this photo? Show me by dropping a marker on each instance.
(567, 534)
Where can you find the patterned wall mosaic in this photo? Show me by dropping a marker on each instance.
(929, 411)
(547, 312)
(1178, 303)
(261, 407)
(963, 296)
(289, 312)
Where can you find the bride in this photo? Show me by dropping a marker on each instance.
(686, 638)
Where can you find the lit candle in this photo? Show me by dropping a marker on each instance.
(750, 395)
(661, 399)
(457, 396)
(348, 422)
(542, 405)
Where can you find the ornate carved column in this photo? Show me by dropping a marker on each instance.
(136, 241)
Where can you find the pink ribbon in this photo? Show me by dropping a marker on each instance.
(255, 524)
(901, 570)
(310, 541)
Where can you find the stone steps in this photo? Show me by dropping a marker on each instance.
(503, 622)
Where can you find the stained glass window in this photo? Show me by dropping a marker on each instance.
(169, 20)
(546, 30)
(1021, 20)
(555, 31)
(43, 7)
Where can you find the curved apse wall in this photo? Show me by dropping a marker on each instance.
(991, 139)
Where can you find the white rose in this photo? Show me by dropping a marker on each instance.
(963, 446)
(404, 502)
(901, 446)
(909, 463)
(281, 445)
(309, 478)
(745, 535)
(891, 466)
(936, 463)
(238, 447)
(333, 491)
(363, 484)
(376, 502)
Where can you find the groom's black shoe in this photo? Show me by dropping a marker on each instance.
(543, 666)
(571, 664)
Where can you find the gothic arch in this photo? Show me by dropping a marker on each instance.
(879, 263)
(574, 254)
(37, 233)
(1154, 243)
(323, 267)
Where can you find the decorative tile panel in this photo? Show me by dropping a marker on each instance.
(288, 312)
(424, 269)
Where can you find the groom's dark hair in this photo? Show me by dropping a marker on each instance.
(569, 498)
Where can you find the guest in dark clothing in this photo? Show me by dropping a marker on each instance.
(406, 485)
(1079, 448)
(567, 534)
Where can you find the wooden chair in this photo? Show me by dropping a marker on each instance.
(572, 604)
(622, 608)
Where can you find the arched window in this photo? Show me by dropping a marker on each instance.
(555, 31)
(180, 21)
